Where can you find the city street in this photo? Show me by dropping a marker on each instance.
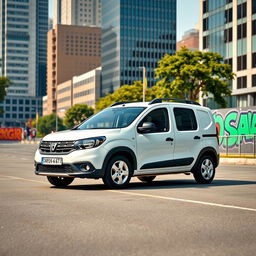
(171, 216)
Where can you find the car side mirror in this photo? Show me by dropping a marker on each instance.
(147, 127)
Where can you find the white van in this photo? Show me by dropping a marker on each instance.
(142, 139)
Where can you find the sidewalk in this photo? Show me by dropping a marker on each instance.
(238, 161)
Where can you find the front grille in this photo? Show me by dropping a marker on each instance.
(55, 169)
(61, 148)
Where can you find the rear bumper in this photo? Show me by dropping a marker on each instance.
(76, 170)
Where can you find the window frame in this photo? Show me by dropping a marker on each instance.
(167, 116)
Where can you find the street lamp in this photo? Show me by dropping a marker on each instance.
(144, 83)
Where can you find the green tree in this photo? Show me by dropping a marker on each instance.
(47, 124)
(4, 84)
(131, 93)
(187, 73)
(77, 114)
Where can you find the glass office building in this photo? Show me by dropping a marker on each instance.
(229, 28)
(23, 43)
(135, 33)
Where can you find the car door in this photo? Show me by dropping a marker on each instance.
(188, 136)
(155, 148)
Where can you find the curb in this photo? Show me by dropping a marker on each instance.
(238, 161)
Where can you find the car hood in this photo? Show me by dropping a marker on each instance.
(80, 134)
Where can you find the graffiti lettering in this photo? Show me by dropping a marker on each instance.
(10, 133)
(235, 123)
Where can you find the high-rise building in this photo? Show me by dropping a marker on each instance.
(135, 34)
(72, 51)
(23, 38)
(77, 12)
(190, 39)
(229, 28)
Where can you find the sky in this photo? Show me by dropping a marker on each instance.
(187, 15)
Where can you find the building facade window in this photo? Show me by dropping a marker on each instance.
(241, 10)
(254, 80)
(254, 59)
(228, 35)
(205, 6)
(229, 61)
(254, 27)
(241, 82)
(206, 42)
(205, 24)
(241, 62)
(253, 6)
(228, 15)
(241, 31)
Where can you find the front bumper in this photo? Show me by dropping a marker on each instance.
(76, 170)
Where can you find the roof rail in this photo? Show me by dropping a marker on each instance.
(160, 100)
(120, 103)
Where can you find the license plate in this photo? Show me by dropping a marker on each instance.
(51, 160)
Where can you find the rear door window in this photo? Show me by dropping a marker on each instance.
(185, 119)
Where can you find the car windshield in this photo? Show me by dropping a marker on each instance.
(112, 118)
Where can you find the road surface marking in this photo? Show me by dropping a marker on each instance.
(18, 178)
(184, 200)
(152, 196)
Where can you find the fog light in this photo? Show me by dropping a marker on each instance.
(85, 167)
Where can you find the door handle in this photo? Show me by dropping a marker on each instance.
(197, 138)
(169, 139)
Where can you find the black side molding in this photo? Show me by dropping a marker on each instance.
(209, 135)
(169, 163)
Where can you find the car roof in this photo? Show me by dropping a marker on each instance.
(147, 105)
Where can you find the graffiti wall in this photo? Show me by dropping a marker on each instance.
(235, 122)
(11, 134)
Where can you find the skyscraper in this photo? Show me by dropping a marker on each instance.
(135, 33)
(77, 12)
(23, 34)
(229, 28)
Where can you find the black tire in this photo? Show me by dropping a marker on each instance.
(146, 179)
(118, 172)
(60, 181)
(205, 170)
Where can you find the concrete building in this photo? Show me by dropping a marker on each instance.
(83, 89)
(229, 28)
(72, 51)
(77, 12)
(135, 34)
(23, 38)
(190, 39)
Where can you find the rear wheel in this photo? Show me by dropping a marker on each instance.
(205, 170)
(60, 181)
(118, 172)
(146, 179)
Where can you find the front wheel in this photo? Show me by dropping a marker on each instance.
(205, 170)
(118, 172)
(60, 181)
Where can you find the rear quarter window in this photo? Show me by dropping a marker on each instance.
(185, 119)
(205, 119)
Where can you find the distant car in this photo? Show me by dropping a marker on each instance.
(142, 139)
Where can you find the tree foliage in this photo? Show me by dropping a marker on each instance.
(77, 114)
(187, 73)
(4, 84)
(131, 93)
(47, 124)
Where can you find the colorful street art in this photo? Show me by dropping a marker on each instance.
(11, 134)
(234, 122)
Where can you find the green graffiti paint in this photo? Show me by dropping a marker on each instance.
(236, 123)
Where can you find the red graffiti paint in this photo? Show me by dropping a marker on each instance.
(11, 134)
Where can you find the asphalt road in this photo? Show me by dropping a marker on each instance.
(172, 216)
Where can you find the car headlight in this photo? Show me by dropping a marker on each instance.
(89, 143)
